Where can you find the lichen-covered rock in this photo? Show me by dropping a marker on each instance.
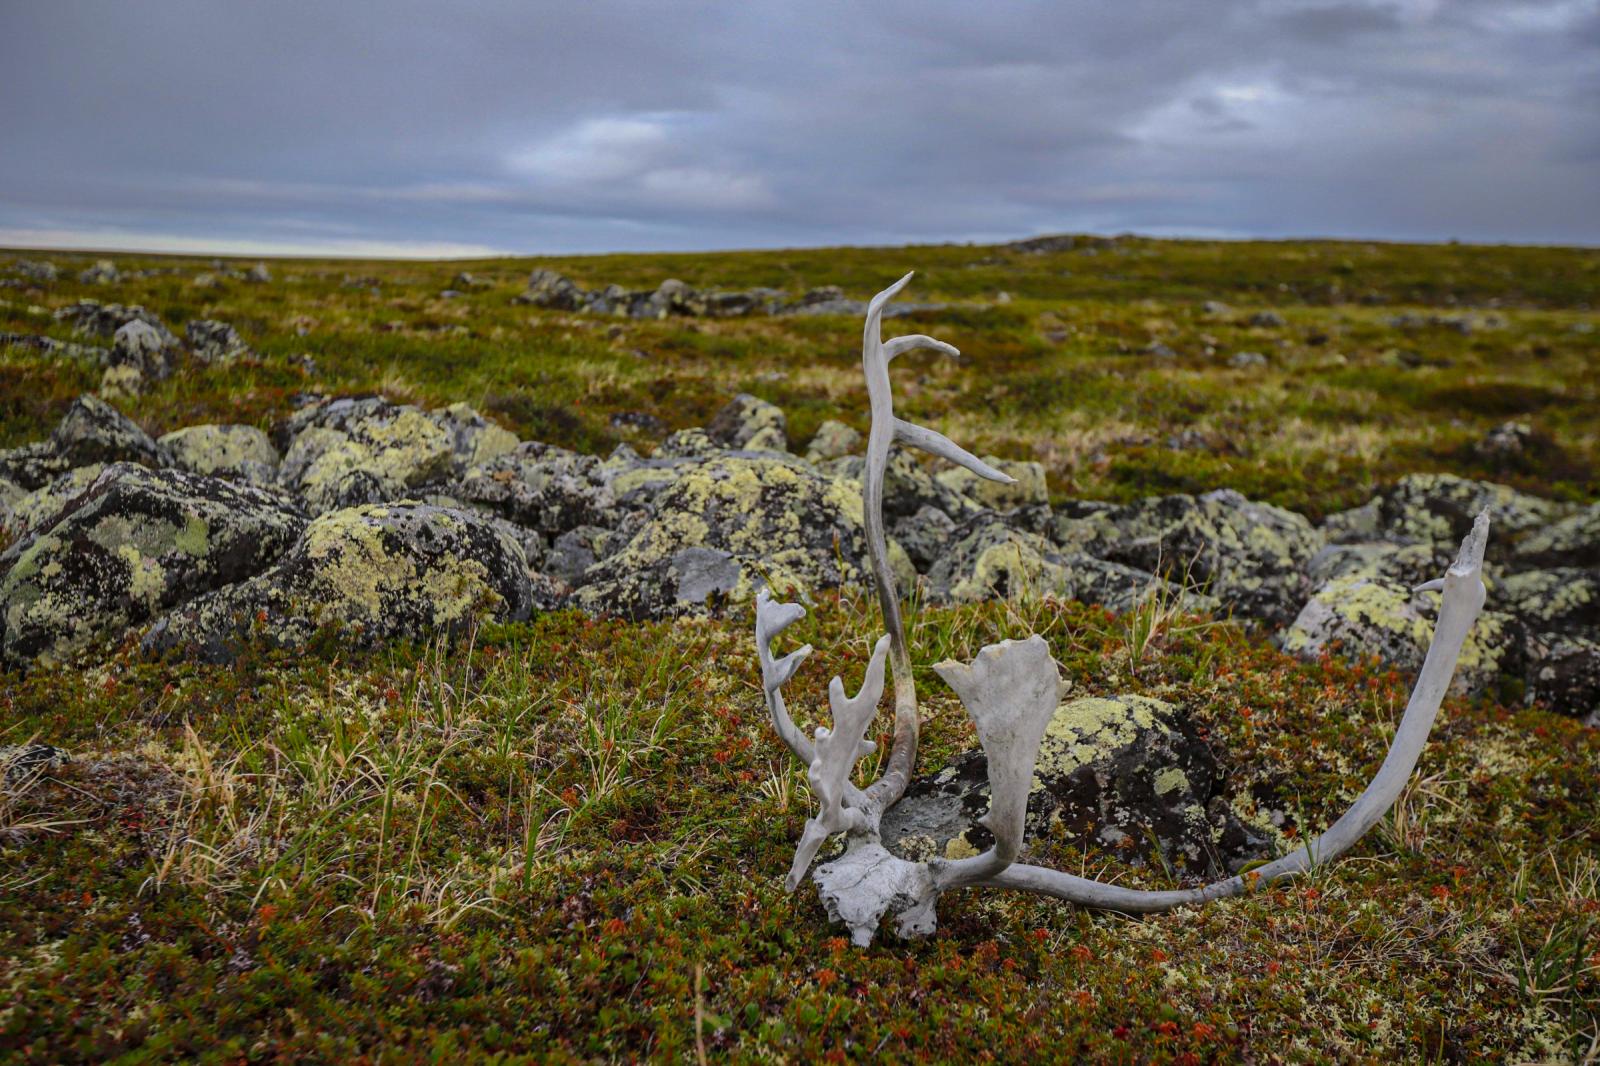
(1357, 525)
(542, 487)
(748, 422)
(578, 549)
(473, 438)
(376, 572)
(239, 453)
(994, 561)
(92, 431)
(990, 559)
(120, 383)
(139, 346)
(925, 536)
(1362, 616)
(259, 274)
(362, 450)
(1564, 600)
(1572, 541)
(133, 544)
(546, 288)
(1029, 487)
(1251, 556)
(908, 486)
(10, 495)
(38, 271)
(833, 440)
(725, 526)
(103, 320)
(102, 272)
(33, 465)
(1408, 564)
(1439, 509)
(1564, 674)
(215, 343)
(1126, 773)
(39, 508)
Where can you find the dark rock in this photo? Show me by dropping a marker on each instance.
(1572, 541)
(1564, 675)
(141, 347)
(135, 543)
(92, 431)
(1367, 616)
(103, 272)
(1127, 774)
(1505, 441)
(546, 288)
(544, 488)
(103, 320)
(748, 422)
(214, 342)
(1249, 555)
(374, 572)
(258, 274)
(925, 536)
(638, 421)
(38, 271)
(1266, 320)
(23, 761)
(723, 527)
(1440, 508)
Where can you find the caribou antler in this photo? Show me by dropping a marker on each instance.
(1011, 690)
(886, 429)
(837, 752)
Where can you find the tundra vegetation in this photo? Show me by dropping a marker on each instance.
(565, 838)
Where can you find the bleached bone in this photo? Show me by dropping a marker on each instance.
(1011, 691)
(837, 752)
(771, 619)
(1462, 598)
(885, 430)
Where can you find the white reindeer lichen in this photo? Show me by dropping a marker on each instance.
(1011, 690)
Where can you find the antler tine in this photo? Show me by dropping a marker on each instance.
(773, 618)
(837, 752)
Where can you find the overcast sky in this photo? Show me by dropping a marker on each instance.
(405, 128)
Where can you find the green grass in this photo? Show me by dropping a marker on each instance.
(566, 840)
(1056, 374)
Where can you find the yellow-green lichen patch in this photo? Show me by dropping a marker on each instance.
(1086, 729)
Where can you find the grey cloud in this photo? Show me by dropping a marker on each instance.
(606, 125)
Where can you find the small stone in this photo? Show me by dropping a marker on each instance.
(259, 274)
(833, 440)
(1266, 320)
(103, 272)
(748, 422)
(1247, 360)
(214, 342)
